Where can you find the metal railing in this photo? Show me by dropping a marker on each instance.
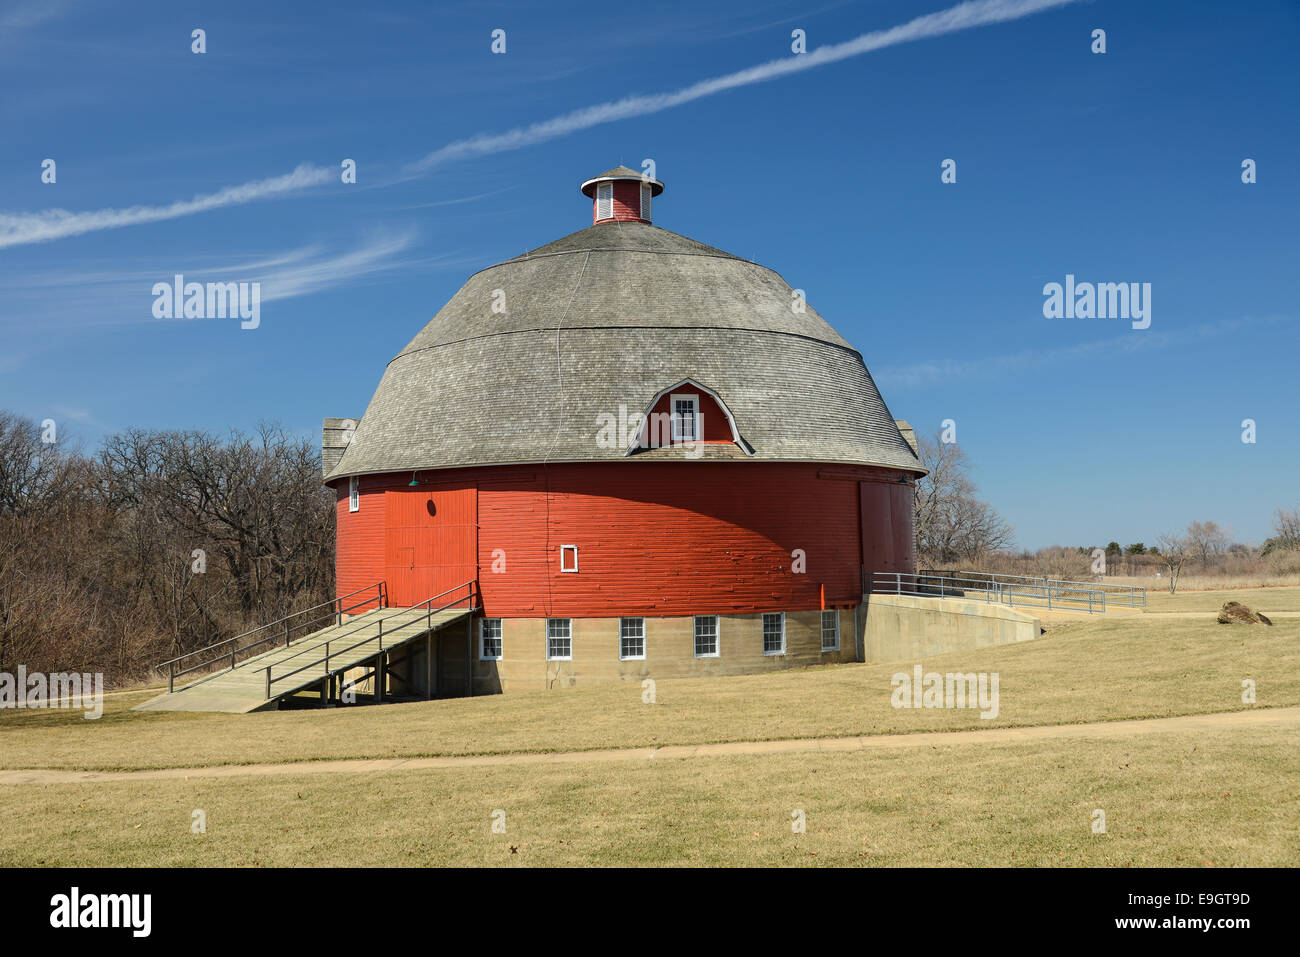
(1130, 596)
(280, 628)
(470, 588)
(1008, 589)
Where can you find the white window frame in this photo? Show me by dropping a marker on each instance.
(836, 619)
(694, 399)
(564, 550)
(483, 639)
(717, 636)
(780, 616)
(354, 494)
(622, 624)
(605, 193)
(568, 636)
(646, 193)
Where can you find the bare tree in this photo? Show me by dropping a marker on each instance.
(1205, 540)
(1287, 526)
(1174, 552)
(951, 523)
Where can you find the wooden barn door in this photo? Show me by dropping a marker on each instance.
(431, 541)
(888, 535)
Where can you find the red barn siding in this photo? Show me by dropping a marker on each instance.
(653, 538)
(359, 546)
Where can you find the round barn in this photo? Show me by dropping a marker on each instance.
(642, 456)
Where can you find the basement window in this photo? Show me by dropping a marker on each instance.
(604, 200)
(685, 416)
(631, 639)
(774, 633)
(645, 201)
(354, 496)
(490, 639)
(830, 631)
(568, 558)
(706, 636)
(559, 639)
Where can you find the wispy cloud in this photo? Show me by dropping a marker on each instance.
(307, 271)
(51, 224)
(933, 371)
(16, 17)
(964, 16)
(64, 298)
(18, 229)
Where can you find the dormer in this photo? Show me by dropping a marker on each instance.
(687, 414)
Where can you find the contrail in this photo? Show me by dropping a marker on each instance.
(964, 16)
(17, 229)
(21, 228)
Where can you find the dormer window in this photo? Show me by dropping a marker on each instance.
(685, 417)
(605, 201)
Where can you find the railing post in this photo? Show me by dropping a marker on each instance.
(268, 682)
(286, 632)
(232, 653)
(171, 677)
(381, 634)
(327, 657)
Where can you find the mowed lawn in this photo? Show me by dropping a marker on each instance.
(1180, 799)
(1284, 598)
(1107, 669)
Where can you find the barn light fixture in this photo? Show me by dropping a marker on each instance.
(414, 481)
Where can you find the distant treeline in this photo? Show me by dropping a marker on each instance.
(160, 543)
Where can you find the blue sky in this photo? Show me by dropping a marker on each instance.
(1115, 167)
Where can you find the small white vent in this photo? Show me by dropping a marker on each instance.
(645, 201)
(605, 201)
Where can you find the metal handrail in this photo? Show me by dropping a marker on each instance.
(427, 604)
(1029, 591)
(381, 595)
(1131, 595)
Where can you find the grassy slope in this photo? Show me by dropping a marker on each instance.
(1170, 799)
(1098, 670)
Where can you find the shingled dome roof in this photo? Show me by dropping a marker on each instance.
(612, 315)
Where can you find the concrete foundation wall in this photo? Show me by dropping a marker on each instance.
(669, 646)
(905, 627)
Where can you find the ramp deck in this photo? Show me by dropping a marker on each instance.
(307, 661)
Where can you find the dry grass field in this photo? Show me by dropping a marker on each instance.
(1178, 799)
(1218, 797)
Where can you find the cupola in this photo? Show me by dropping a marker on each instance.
(621, 195)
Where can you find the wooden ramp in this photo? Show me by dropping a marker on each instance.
(359, 641)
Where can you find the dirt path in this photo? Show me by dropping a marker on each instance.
(1234, 720)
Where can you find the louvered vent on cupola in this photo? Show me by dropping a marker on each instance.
(621, 195)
